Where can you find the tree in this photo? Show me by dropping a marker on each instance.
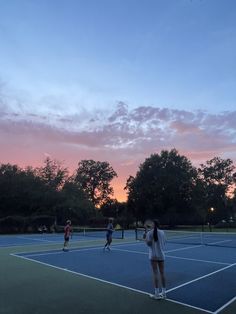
(74, 204)
(95, 177)
(232, 207)
(218, 177)
(21, 191)
(42, 193)
(163, 186)
(133, 190)
(53, 174)
(110, 208)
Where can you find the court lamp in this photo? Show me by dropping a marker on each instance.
(210, 224)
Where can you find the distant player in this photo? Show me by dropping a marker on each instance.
(155, 240)
(109, 233)
(67, 234)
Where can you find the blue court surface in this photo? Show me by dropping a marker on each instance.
(54, 238)
(199, 276)
(34, 239)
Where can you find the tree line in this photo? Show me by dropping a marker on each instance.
(166, 185)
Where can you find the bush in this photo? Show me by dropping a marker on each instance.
(12, 224)
(225, 224)
(36, 221)
(19, 224)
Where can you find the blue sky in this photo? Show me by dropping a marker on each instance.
(65, 63)
(178, 53)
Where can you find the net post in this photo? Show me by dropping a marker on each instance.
(122, 233)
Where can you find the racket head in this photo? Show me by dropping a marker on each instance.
(148, 224)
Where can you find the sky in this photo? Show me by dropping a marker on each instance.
(117, 81)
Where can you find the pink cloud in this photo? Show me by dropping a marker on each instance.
(183, 127)
(124, 138)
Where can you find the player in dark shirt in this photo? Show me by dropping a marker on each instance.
(109, 235)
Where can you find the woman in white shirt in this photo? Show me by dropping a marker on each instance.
(155, 240)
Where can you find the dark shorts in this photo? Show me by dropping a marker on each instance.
(109, 237)
(155, 259)
(66, 238)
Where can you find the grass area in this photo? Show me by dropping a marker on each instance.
(27, 287)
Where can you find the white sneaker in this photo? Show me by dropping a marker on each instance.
(163, 294)
(156, 296)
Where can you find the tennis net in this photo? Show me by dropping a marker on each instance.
(224, 239)
(97, 232)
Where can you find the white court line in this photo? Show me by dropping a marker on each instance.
(71, 250)
(114, 248)
(29, 244)
(176, 257)
(194, 307)
(57, 251)
(199, 278)
(137, 252)
(184, 248)
(198, 260)
(143, 253)
(51, 243)
(33, 239)
(218, 242)
(169, 251)
(225, 305)
(129, 251)
(108, 282)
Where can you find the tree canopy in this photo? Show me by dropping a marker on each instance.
(42, 191)
(94, 177)
(166, 185)
(217, 178)
(163, 184)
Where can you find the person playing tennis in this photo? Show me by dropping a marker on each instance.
(109, 233)
(155, 240)
(67, 234)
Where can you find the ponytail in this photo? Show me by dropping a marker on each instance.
(155, 233)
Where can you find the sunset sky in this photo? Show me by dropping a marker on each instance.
(117, 80)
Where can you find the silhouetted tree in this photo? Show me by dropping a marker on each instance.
(74, 204)
(163, 186)
(94, 177)
(53, 174)
(218, 178)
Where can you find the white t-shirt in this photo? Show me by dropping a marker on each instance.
(156, 249)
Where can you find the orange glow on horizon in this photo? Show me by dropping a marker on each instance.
(118, 184)
(119, 193)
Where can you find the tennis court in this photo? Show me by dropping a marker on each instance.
(200, 277)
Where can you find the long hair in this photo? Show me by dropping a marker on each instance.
(156, 226)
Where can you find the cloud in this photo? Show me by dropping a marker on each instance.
(143, 128)
(123, 137)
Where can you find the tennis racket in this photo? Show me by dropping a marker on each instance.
(148, 224)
